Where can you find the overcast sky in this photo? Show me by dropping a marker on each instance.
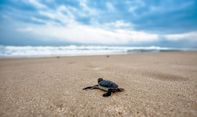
(170, 23)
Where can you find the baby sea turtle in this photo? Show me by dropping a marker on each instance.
(105, 85)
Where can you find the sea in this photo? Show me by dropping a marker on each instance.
(79, 50)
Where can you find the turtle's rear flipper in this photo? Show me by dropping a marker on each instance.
(120, 90)
(108, 93)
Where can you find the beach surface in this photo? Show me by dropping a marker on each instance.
(156, 85)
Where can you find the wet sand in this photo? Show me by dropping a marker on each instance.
(156, 85)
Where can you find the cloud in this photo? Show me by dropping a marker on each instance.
(87, 10)
(182, 36)
(85, 34)
(118, 24)
(35, 3)
(71, 30)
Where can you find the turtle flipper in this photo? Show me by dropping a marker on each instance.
(108, 93)
(120, 90)
(87, 88)
(91, 87)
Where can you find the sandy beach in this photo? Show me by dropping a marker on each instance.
(156, 85)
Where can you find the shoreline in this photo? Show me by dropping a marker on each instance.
(74, 50)
(89, 55)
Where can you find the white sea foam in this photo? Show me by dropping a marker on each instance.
(72, 50)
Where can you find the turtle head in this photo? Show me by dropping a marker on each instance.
(100, 79)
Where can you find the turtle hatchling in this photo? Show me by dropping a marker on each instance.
(105, 85)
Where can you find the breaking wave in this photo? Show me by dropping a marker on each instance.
(72, 50)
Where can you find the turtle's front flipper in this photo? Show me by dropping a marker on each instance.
(87, 88)
(91, 87)
(108, 93)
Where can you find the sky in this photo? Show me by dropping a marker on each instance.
(166, 23)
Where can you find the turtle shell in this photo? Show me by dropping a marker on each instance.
(108, 84)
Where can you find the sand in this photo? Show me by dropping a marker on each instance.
(156, 85)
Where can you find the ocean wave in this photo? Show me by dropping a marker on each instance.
(73, 50)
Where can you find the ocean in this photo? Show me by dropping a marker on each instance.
(74, 50)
